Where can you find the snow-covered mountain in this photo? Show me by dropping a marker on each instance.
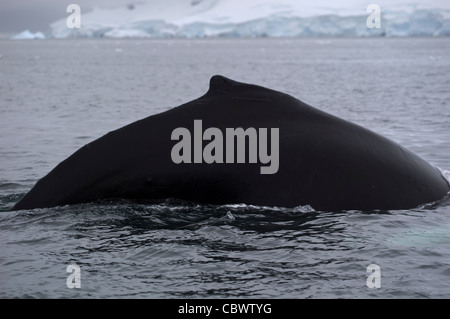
(258, 18)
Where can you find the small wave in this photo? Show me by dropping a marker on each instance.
(297, 209)
(138, 216)
(8, 185)
(445, 173)
(7, 201)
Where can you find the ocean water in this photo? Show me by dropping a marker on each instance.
(58, 95)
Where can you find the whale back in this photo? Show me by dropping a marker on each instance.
(323, 161)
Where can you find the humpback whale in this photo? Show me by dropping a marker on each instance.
(243, 143)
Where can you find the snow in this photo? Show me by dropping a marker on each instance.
(258, 18)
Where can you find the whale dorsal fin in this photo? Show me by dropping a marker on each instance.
(221, 83)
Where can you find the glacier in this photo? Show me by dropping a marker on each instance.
(28, 35)
(257, 18)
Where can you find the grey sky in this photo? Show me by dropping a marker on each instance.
(36, 15)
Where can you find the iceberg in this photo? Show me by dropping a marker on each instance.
(27, 35)
(258, 18)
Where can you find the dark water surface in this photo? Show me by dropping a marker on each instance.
(56, 96)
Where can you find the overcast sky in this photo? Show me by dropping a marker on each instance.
(36, 15)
